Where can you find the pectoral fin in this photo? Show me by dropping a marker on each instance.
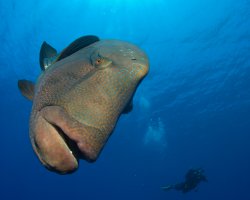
(128, 108)
(47, 55)
(27, 88)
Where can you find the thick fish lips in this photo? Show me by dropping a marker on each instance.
(50, 143)
(57, 140)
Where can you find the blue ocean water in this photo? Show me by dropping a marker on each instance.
(192, 110)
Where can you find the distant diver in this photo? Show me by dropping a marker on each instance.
(192, 179)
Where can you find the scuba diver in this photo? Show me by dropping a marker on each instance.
(192, 179)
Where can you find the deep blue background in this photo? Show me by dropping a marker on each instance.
(192, 110)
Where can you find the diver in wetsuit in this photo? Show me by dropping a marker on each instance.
(192, 179)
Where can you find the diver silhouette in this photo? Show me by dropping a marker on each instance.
(192, 179)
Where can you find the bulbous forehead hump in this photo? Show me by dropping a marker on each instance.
(120, 51)
(109, 47)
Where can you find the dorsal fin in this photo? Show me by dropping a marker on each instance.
(77, 45)
(27, 88)
(47, 55)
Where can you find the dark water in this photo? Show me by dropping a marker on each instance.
(192, 110)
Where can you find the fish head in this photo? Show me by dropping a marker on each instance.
(79, 99)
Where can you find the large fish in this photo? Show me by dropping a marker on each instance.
(79, 97)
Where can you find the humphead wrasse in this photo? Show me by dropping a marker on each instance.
(79, 97)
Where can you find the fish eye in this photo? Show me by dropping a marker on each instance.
(99, 61)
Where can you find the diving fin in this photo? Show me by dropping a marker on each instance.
(167, 188)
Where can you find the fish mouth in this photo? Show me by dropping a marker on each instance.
(60, 141)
